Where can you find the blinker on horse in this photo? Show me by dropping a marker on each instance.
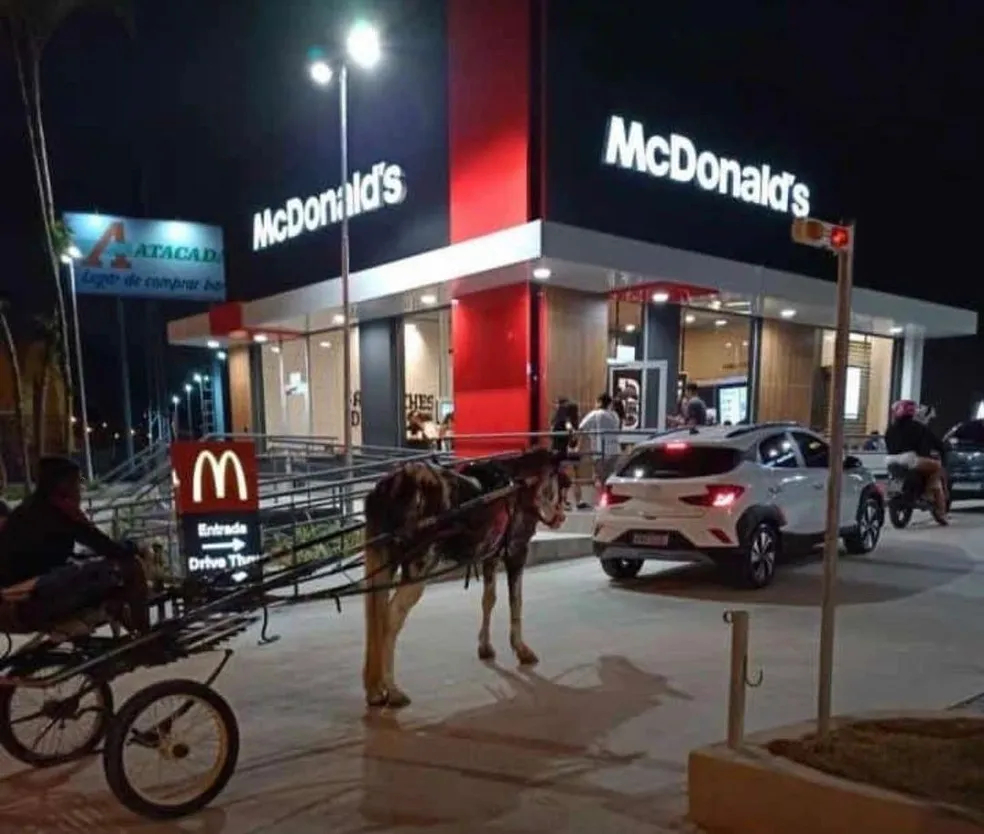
(499, 530)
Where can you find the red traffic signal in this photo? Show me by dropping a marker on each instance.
(840, 237)
(809, 231)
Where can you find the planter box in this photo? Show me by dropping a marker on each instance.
(750, 791)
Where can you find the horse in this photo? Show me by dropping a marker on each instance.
(402, 540)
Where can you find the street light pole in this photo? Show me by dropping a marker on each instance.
(86, 442)
(835, 477)
(839, 239)
(346, 338)
(191, 419)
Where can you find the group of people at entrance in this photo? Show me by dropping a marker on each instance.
(590, 444)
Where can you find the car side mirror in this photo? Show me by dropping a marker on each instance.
(852, 462)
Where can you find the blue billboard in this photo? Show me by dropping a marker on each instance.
(161, 259)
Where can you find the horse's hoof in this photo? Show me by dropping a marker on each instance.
(486, 652)
(377, 698)
(526, 656)
(397, 699)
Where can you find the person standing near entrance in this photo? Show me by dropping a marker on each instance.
(564, 444)
(599, 430)
(694, 408)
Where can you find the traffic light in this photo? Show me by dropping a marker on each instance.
(840, 237)
(809, 231)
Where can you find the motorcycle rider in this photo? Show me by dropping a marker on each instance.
(911, 443)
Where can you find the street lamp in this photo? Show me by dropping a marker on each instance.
(69, 257)
(199, 381)
(362, 48)
(175, 399)
(191, 424)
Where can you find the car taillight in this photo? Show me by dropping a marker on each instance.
(609, 499)
(718, 496)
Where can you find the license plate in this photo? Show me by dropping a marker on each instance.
(967, 486)
(651, 539)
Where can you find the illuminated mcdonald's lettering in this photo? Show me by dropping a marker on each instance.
(218, 469)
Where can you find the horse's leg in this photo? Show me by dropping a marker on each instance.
(405, 597)
(377, 616)
(515, 560)
(485, 650)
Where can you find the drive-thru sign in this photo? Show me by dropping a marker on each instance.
(217, 501)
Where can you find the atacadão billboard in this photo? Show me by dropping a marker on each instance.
(162, 259)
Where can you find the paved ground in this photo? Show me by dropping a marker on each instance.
(595, 739)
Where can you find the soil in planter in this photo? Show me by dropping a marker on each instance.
(940, 759)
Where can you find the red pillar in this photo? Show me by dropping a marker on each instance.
(489, 55)
(491, 358)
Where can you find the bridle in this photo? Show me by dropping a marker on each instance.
(528, 493)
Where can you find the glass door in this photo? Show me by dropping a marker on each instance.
(642, 388)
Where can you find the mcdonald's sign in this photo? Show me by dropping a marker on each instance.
(214, 477)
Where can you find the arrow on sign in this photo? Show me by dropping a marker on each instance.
(236, 545)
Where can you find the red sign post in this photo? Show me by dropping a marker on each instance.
(216, 496)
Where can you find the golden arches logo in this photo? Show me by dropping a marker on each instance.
(217, 466)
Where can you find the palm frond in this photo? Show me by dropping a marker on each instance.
(42, 18)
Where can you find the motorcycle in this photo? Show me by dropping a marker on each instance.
(906, 493)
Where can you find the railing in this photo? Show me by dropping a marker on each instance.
(306, 488)
(140, 464)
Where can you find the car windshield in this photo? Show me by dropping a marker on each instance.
(679, 460)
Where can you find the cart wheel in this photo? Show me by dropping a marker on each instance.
(55, 725)
(187, 734)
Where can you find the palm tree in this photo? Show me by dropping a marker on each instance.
(29, 25)
(49, 366)
(19, 415)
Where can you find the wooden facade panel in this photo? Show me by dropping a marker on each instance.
(790, 360)
(575, 346)
(240, 390)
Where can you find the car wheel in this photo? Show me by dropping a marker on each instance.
(899, 513)
(621, 568)
(760, 553)
(865, 537)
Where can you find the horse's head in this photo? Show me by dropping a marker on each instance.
(538, 471)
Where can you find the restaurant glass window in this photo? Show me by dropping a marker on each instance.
(868, 388)
(427, 388)
(327, 385)
(714, 355)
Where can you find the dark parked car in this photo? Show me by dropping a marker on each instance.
(965, 460)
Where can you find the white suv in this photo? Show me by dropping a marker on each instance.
(734, 496)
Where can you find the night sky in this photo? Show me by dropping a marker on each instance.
(180, 120)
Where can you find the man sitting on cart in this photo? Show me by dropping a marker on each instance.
(43, 579)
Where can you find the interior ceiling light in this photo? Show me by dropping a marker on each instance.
(338, 318)
(661, 297)
(788, 313)
(325, 345)
(715, 304)
(212, 344)
(895, 331)
(629, 328)
(260, 338)
(541, 273)
(427, 298)
(690, 318)
(720, 322)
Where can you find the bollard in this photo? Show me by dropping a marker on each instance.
(738, 678)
